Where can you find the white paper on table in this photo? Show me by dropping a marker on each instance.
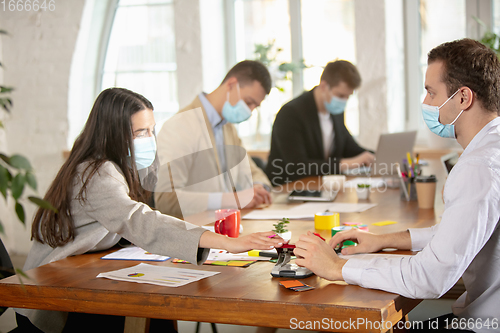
(158, 275)
(312, 208)
(134, 253)
(269, 214)
(374, 182)
(223, 255)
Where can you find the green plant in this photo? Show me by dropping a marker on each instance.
(15, 171)
(5, 101)
(267, 54)
(490, 39)
(280, 227)
(363, 185)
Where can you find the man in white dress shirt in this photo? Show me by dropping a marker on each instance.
(462, 102)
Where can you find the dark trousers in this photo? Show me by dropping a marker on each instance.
(438, 324)
(84, 322)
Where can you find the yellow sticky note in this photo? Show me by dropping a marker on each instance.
(382, 223)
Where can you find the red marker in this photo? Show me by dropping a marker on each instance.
(315, 233)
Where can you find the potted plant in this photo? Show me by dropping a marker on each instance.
(281, 230)
(363, 191)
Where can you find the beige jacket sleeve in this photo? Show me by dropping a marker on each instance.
(109, 204)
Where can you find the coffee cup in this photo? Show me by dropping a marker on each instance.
(426, 191)
(228, 222)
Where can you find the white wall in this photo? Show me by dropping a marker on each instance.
(372, 94)
(37, 58)
(188, 50)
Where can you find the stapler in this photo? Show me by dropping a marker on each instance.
(284, 268)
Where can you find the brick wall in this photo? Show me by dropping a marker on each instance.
(37, 58)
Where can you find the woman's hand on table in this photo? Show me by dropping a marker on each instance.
(255, 241)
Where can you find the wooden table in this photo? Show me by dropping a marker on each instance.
(242, 296)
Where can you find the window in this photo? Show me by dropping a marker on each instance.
(328, 33)
(441, 21)
(263, 22)
(271, 21)
(496, 16)
(141, 54)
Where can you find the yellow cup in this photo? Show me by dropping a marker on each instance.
(326, 220)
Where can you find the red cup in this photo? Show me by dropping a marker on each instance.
(228, 222)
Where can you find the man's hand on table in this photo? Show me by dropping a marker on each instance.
(320, 257)
(366, 241)
(370, 243)
(260, 197)
(315, 254)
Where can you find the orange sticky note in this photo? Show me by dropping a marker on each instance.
(291, 283)
(240, 263)
(382, 223)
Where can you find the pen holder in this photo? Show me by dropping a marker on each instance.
(409, 190)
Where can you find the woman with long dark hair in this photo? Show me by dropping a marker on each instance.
(99, 199)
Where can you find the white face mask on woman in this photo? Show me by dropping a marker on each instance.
(145, 151)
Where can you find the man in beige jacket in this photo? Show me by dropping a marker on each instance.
(203, 163)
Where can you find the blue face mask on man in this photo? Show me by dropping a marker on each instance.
(336, 105)
(236, 113)
(431, 118)
(145, 151)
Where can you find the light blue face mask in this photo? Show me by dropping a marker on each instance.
(145, 152)
(431, 118)
(336, 105)
(237, 113)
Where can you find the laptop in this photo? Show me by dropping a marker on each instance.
(391, 150)
(312, 195)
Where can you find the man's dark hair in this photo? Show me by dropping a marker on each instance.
(248, 71)
(341, 71)
(467, 62)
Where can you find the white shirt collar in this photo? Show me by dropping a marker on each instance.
(481, 134)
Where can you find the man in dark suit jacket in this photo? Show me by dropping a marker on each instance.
(309, 136)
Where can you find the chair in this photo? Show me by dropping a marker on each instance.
(6, 267)
(214, 328)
